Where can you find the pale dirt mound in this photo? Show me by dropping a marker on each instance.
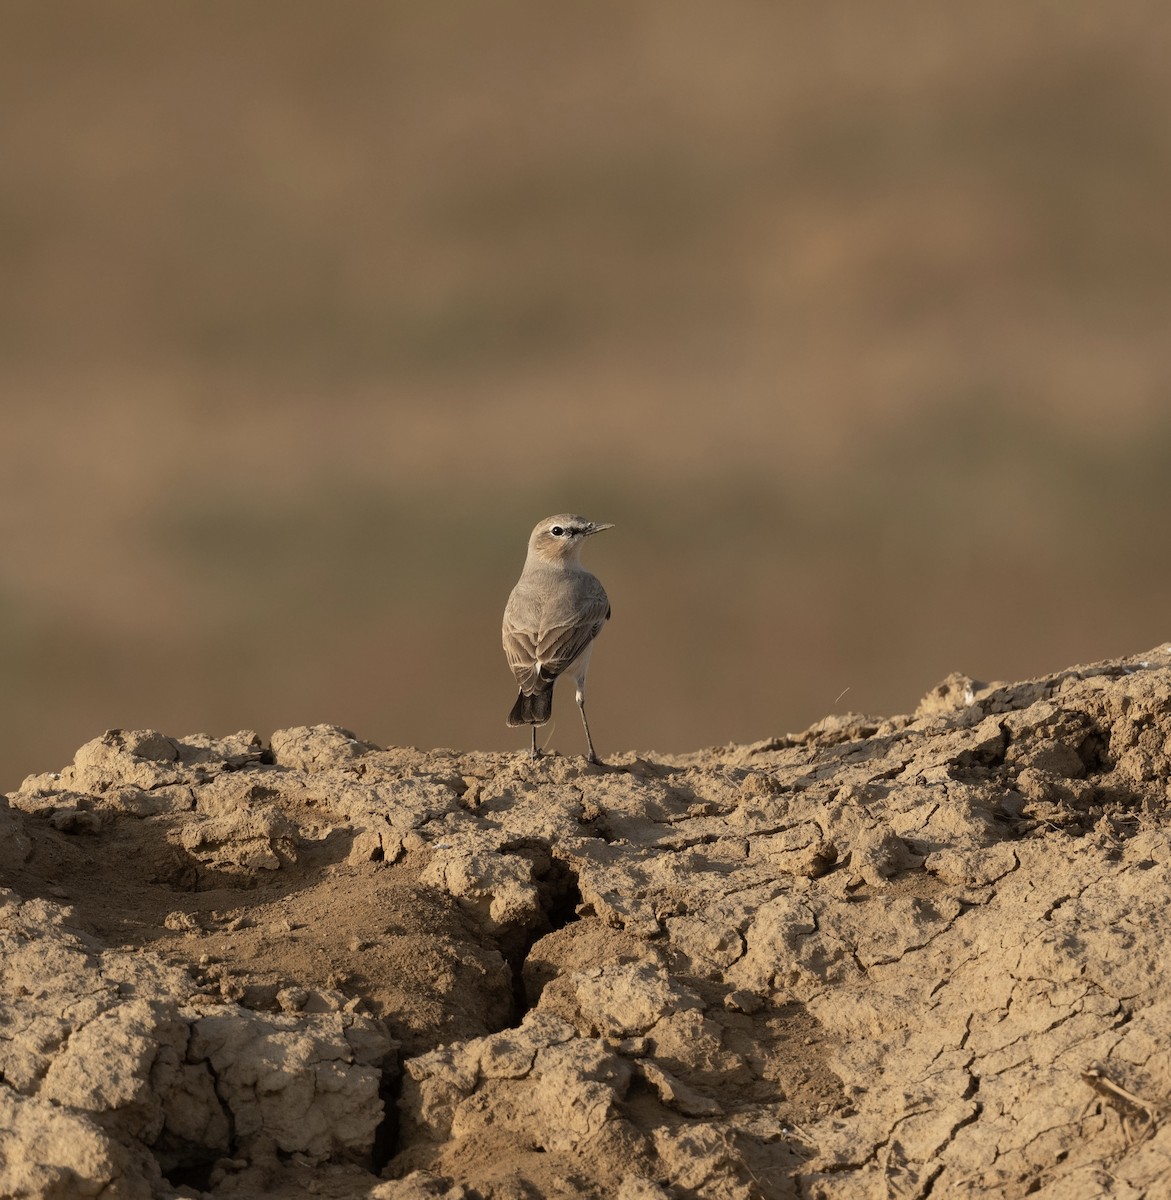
(906, 957)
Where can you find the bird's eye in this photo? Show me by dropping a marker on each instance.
(556, 531)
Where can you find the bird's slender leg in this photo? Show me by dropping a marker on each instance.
(535, 752)
(592, 756)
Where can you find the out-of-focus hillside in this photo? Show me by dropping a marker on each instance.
(853, 319)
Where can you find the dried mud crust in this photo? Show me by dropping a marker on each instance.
(916, 956)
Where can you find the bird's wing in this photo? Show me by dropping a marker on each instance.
(520, 634)
(561, 644)
(520, 648)
(539, 646)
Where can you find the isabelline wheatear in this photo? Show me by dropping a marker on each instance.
(552, 617)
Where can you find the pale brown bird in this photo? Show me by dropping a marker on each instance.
(552, 617)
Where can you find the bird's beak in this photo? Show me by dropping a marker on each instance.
(595, 527)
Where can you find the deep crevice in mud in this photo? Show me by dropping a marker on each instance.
(386, 1136)
(187, 1163)
(197, 1177)
(560, 899)
(1094, 752)
(978, 764)
(184, 1163)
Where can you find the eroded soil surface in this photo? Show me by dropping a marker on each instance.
(912, 956)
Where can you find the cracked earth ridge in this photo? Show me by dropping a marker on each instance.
(882, 957)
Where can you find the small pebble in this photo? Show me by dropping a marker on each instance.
(743, 1001)
(292, 999)
(74, 820)
(181, 922)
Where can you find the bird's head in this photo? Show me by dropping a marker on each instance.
(559, 539)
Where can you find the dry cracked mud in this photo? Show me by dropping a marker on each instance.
(914, 956)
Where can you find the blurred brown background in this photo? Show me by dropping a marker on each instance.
(854, 318)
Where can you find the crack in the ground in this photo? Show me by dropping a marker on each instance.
(560, 893)
(963, 1042)
(1047, 915)
(962, 1123)
(388, 1131)
(195, 1168)
(917, 946)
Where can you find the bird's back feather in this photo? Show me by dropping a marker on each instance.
(550, 619)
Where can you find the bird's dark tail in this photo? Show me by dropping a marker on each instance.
(532, 710)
